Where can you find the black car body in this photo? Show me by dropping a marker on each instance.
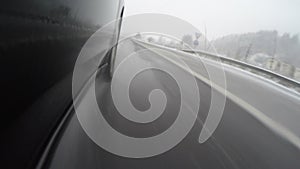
(40, 42)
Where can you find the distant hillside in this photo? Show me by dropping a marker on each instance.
(284, 47)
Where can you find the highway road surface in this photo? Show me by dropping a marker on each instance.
(259, 129)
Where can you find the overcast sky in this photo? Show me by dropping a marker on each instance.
(223, 17)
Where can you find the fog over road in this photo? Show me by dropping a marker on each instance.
(259, 128)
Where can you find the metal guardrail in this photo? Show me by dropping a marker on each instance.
(286, 81)
(245, 65)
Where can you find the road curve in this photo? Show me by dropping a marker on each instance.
(242, 140)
